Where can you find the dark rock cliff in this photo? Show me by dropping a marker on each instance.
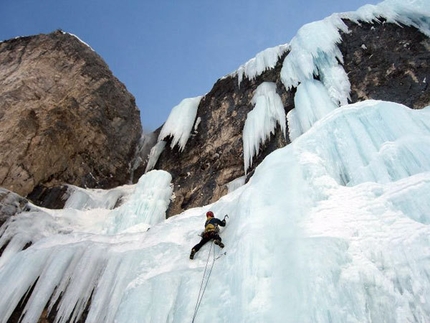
(383, 61)
(64, 118)
(387, 62)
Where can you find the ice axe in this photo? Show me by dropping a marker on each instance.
(225, 216)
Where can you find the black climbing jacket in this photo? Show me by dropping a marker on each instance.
(211, 225)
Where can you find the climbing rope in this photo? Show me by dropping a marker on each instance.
(203, 285)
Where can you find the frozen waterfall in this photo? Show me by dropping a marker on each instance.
(331, 228)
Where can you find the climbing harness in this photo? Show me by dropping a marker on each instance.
(204, 284)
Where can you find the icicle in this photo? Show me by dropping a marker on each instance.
(262, 120)
(154, 155)
(263, 61)
(180, 122)
(312, 103)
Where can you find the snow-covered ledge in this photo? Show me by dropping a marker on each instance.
(180, 122)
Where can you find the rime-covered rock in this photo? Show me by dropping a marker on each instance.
(64, 118)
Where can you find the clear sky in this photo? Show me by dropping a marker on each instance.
(165, 51)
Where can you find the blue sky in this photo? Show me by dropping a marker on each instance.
(165, 51)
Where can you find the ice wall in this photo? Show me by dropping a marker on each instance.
(147, 205)
(372, 144)
(312, 102)
(332, 228)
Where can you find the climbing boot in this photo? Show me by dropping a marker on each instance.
(193, 252)
(219, 243)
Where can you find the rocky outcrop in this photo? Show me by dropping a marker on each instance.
(387, 62)
(64, 118)
(383, 61)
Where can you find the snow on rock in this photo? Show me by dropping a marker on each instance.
(79, 40)
(262, 120)
(263, 61)
(314, 52)
(180, 122)
(414, 13)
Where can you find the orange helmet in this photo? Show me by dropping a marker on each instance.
(209, 214)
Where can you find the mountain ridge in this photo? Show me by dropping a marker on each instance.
(64, 117)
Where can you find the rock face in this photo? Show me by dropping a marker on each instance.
(387, 62)
(383, 61)
(64, 118)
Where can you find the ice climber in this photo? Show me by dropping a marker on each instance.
(210, 233)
